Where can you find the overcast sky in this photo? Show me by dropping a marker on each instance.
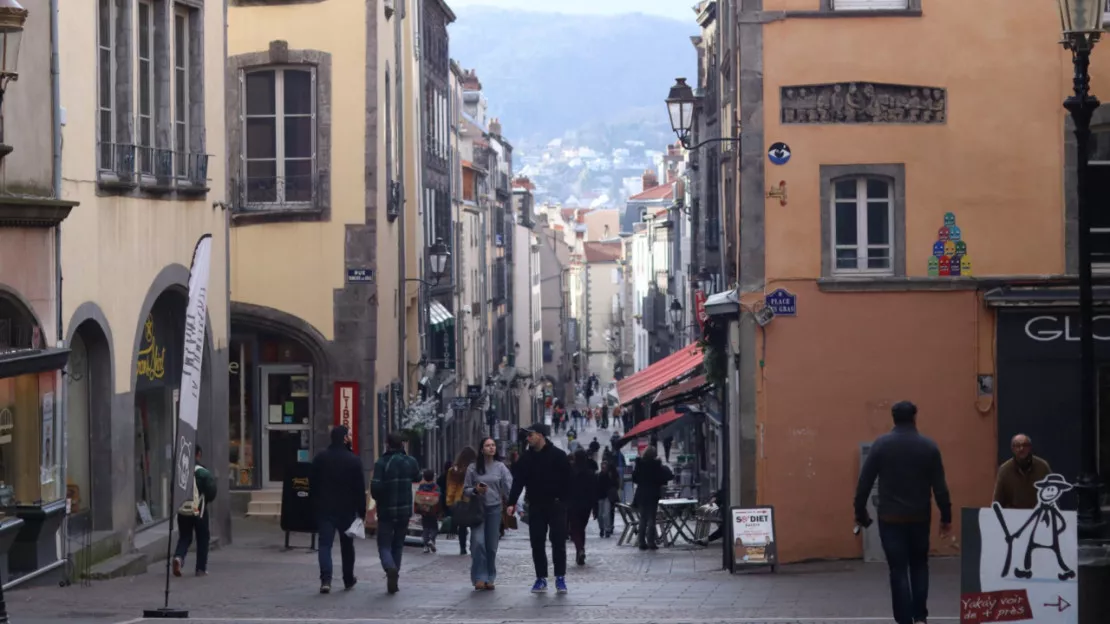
(675, 9)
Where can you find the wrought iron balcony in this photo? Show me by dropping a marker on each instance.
(263, 193)
(116, 165)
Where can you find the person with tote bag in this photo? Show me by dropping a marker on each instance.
(487, 480)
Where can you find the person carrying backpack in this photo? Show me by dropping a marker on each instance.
(426, 505)
(192, 517)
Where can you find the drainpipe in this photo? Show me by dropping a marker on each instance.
(398, 34)
(56, 136)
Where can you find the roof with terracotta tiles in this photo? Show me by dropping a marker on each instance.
(598, 251)
(661, 192)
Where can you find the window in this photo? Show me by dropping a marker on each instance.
(105, 83)
(862, 225)
(182, 92)
(28, 445)
(280, 114)
(146, 88)
(870, 5)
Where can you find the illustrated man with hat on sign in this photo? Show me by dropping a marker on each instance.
(1047, 513)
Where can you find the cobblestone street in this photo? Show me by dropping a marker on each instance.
(254, 581)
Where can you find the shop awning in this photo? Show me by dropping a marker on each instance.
(651, 424)
(689, 386)
(657, 376)
(439, 315)
(17, 362)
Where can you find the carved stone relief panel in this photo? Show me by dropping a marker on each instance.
(863, 103)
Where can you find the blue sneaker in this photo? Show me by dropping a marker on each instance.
(540, 586)
(560, 585)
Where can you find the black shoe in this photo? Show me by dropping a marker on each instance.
(653, 547)
(325, 588)
(580, 559)
(391, 577)
(643, 546)
(347, 585)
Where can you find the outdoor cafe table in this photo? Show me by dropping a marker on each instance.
(677, 513)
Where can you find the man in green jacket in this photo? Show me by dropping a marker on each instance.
(391, 487)
(192, 517)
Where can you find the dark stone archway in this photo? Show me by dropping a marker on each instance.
(90, 385)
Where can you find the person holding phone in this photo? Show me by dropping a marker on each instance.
(489, 478)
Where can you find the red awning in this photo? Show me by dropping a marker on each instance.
(660, 374)
(652, 424)
(686, 387)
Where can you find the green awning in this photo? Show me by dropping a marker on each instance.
(439, 316)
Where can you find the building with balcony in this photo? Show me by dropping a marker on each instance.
(318, 228)
(900, 200)
(142, 116)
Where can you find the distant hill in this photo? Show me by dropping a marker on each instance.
(550, 75)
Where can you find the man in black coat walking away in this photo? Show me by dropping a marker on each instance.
(909, 468)
(545, 471)
(337, 490)
(650, 476)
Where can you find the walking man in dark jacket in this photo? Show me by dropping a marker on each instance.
(910, 472)
(545, 471)
(391, 487)
(337, 490)
(192, 517)
(650, 476)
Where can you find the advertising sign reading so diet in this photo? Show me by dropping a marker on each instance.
(753, 536)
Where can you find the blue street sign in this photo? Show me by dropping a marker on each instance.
(360, 276)
(782, 302)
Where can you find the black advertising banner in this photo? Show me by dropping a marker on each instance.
(296, 505)
(196, 318)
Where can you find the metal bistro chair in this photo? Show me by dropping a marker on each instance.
(631, 518)
(707, 519)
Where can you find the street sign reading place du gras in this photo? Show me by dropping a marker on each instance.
(782, 302)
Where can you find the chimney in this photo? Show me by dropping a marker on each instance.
(650, 179)
(495, 126)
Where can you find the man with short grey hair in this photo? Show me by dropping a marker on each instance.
(1017, 477)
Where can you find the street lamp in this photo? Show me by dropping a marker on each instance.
(676, 312)
(438, 256)
(681, 102)
(1081, 25)
(705, 281)
(12, 18)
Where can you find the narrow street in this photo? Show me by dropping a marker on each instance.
(254, 581)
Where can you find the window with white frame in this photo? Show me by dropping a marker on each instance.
(870, 5)
(280, 136)
(862, 225)
(105, 83)
(182, 90)
(146, 88)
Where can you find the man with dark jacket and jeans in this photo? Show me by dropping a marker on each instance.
(192, 517)
(545, 471)
(391, 487)
(650, 476)
(337, 490)
(910, 471)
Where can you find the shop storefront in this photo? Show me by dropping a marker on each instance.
(157, 379)
(273, 400)
(1038, 377)
(32, 504)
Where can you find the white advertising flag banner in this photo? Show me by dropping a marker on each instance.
(196, 316)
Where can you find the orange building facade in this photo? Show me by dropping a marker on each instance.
(921, 208)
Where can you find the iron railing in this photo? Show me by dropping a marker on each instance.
(116, 161)
(152, 167)
(277, 192)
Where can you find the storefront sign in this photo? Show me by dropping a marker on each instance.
(1052, 327)
(151, 358)
(460, 403)
(360, 276)
(784, 303)
(196, 320)
(345, 398)
(699, 308)
(753, 536)
(1020, 564)
(383, 421)
(474, 392)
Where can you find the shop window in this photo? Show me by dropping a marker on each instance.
(28, 444)
(278, 350)
(241, 383)
(158, 375)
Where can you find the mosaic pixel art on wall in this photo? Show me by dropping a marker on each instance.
(950, 257)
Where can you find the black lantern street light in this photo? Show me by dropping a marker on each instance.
(681, 103)
(676, 312)
(12, 19)
(438, 258)
(705, 281)
(1081, 23)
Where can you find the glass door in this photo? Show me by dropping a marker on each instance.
(286, 391)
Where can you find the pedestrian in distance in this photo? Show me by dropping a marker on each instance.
(615, 442)
(441, 483)
(667, 443)
(337, 490)
(608, 495)
(1017, 477)
(490, 479)
(391, 487)
(583, 503)
(605, 416)
(910, 471)
(426, 504)
(545, 472)
(650, 477)
(456, 479)
(595, 446)
(192, 518)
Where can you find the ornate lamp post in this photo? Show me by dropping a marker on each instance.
(12, 18)
(1081, 25)
(681, 103)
